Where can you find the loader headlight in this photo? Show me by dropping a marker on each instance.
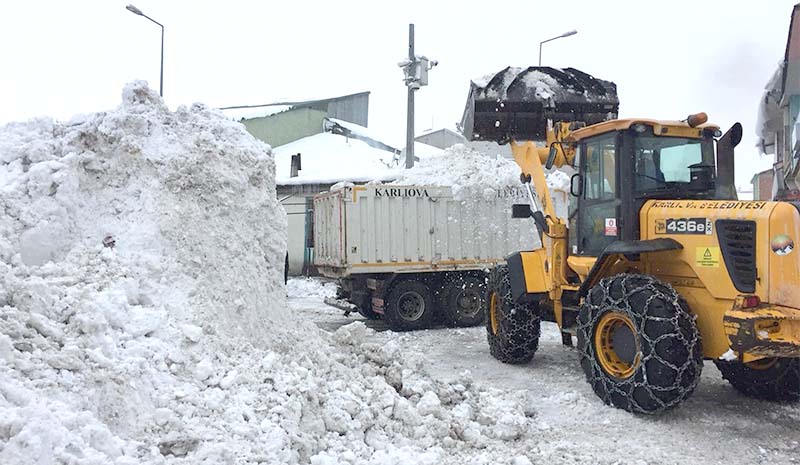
(639, 128)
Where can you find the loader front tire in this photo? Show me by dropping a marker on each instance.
(409, 306)
(776, 379)
(639, 346)
(512, 329)
(463, 299)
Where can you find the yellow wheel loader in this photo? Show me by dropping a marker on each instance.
(658, 265)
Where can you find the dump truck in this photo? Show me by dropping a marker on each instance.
(415, 255)
(659, 268)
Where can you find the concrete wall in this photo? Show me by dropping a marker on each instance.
(289, 126)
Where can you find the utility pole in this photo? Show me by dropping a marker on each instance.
(410, 108)
(416, 70)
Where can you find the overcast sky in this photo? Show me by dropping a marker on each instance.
(668, 59)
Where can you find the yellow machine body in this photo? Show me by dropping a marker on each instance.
(757, 323)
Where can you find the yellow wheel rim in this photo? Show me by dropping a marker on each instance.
(762, 364)
(493, 313)
(615, 345)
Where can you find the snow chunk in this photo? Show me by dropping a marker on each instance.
(729, 356)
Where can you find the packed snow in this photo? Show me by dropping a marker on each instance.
(143, 318)
(471, 172)
(568, 423)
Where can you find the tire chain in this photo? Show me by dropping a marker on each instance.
(648, 380)
(784, 387)
(519, 325)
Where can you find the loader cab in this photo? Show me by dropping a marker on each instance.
(623, 167)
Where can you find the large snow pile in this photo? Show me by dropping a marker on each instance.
(143, 320)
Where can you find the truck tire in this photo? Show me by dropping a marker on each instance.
(639, 345)
(409, 306)
(512, 329)
(776, 379)
(366, 312)
(463, 299)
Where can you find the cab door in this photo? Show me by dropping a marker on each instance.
(598, 216)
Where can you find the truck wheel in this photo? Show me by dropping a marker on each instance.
(775, 379)
(464, 301)
(512, 329)
(639, 345)
(366, 312)
(409, 306)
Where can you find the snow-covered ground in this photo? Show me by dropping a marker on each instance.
(143, 317)
(567, 423)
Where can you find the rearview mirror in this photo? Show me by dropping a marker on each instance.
(576, 185)
(521, 210)
(551, 157)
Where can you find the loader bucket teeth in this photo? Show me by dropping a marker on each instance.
(517, 102)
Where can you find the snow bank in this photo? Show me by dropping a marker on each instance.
(310, 288)
(143, 320)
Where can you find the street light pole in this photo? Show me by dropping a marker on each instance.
(137, 11)
(566, 34)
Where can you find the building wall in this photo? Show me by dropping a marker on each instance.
(289, 126)
(441, 139)
(299, 201)
(295, 213)
(354, 109)
(762, 186)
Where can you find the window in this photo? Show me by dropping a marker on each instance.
(597, 216)
(663, 160)
(601, 177)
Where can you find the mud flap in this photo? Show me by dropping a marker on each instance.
(527, 272)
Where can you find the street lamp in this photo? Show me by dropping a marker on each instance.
(137, 11)
(566, 34)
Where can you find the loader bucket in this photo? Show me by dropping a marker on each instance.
(517, 102)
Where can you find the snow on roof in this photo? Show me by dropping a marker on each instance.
(250, 112)
(240, 112)
(434, 131)
(330, 158)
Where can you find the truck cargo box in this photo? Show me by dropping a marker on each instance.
(412, 229)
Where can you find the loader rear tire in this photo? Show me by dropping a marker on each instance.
(776, 379)
(409, 306)
(512, 329)
(463, 299)
(639, 345)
